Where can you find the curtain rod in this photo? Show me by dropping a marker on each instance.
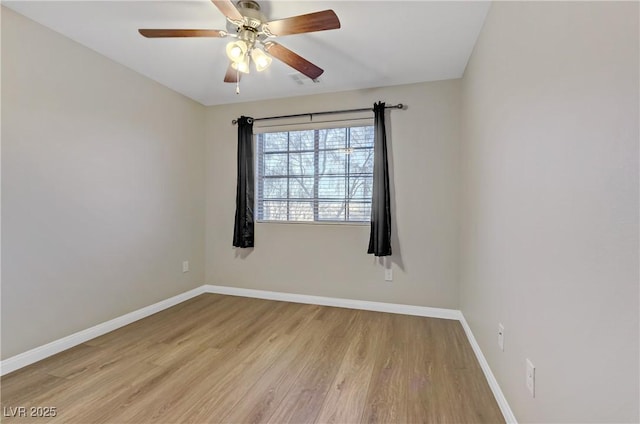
(331, 112)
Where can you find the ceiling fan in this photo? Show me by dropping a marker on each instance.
(250, 29)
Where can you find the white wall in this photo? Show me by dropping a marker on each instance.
(550, 222)
(102, 188)
(332, 260)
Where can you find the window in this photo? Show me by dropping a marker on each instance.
(315, 175)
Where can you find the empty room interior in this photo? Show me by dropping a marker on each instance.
(320, 212)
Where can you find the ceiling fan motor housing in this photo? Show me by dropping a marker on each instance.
(253, 18)
(248, 36)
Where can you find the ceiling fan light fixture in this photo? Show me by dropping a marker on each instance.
(237, 51)
(242, 65)
(261, 59)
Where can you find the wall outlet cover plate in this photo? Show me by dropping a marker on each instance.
(531, 378)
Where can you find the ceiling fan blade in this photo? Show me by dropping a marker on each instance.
(292, 59)
(158, 33)
(228, 9)
(232, 75)
(317, 21)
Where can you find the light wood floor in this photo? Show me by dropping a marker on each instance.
(239, 360)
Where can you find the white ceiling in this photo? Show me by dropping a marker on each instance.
(380, 43)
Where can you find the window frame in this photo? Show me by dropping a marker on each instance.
(348, 149)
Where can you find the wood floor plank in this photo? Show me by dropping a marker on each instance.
(306, 396)
(25, 384)
(71, 394)
(387, 389)
(422, 392)
(159, 321)
(346, 398)
(157, 400)
(466, 391)
(86, 402)
(230, 359)
(236, 385)
(275, 384)
(218, 364)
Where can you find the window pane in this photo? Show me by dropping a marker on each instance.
(359, 211)
(275, 164)
(273, 142)
(274, 211)
(331, 211)
(333, 138)
(332, 163)
(361, 161)
(274, 188)
(301, 188)
(361, 137)
(301, 211)
(360, 188)
(301, 180)
(331, 187)
(301, 140)
(301, 163)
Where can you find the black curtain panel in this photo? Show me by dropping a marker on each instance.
(243, 228)
(380, 237)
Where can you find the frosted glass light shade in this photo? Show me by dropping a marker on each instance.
(236, 50)
(261, 59)
(242, 65)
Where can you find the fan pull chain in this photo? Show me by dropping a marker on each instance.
(237, 81)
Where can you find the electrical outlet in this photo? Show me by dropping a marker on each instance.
(501, 336)
(185, 266)
(388, 274)
(531, 378)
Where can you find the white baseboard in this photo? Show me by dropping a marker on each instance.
(41, 352)
(44, 351)
(394, 308)
(509, 417)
